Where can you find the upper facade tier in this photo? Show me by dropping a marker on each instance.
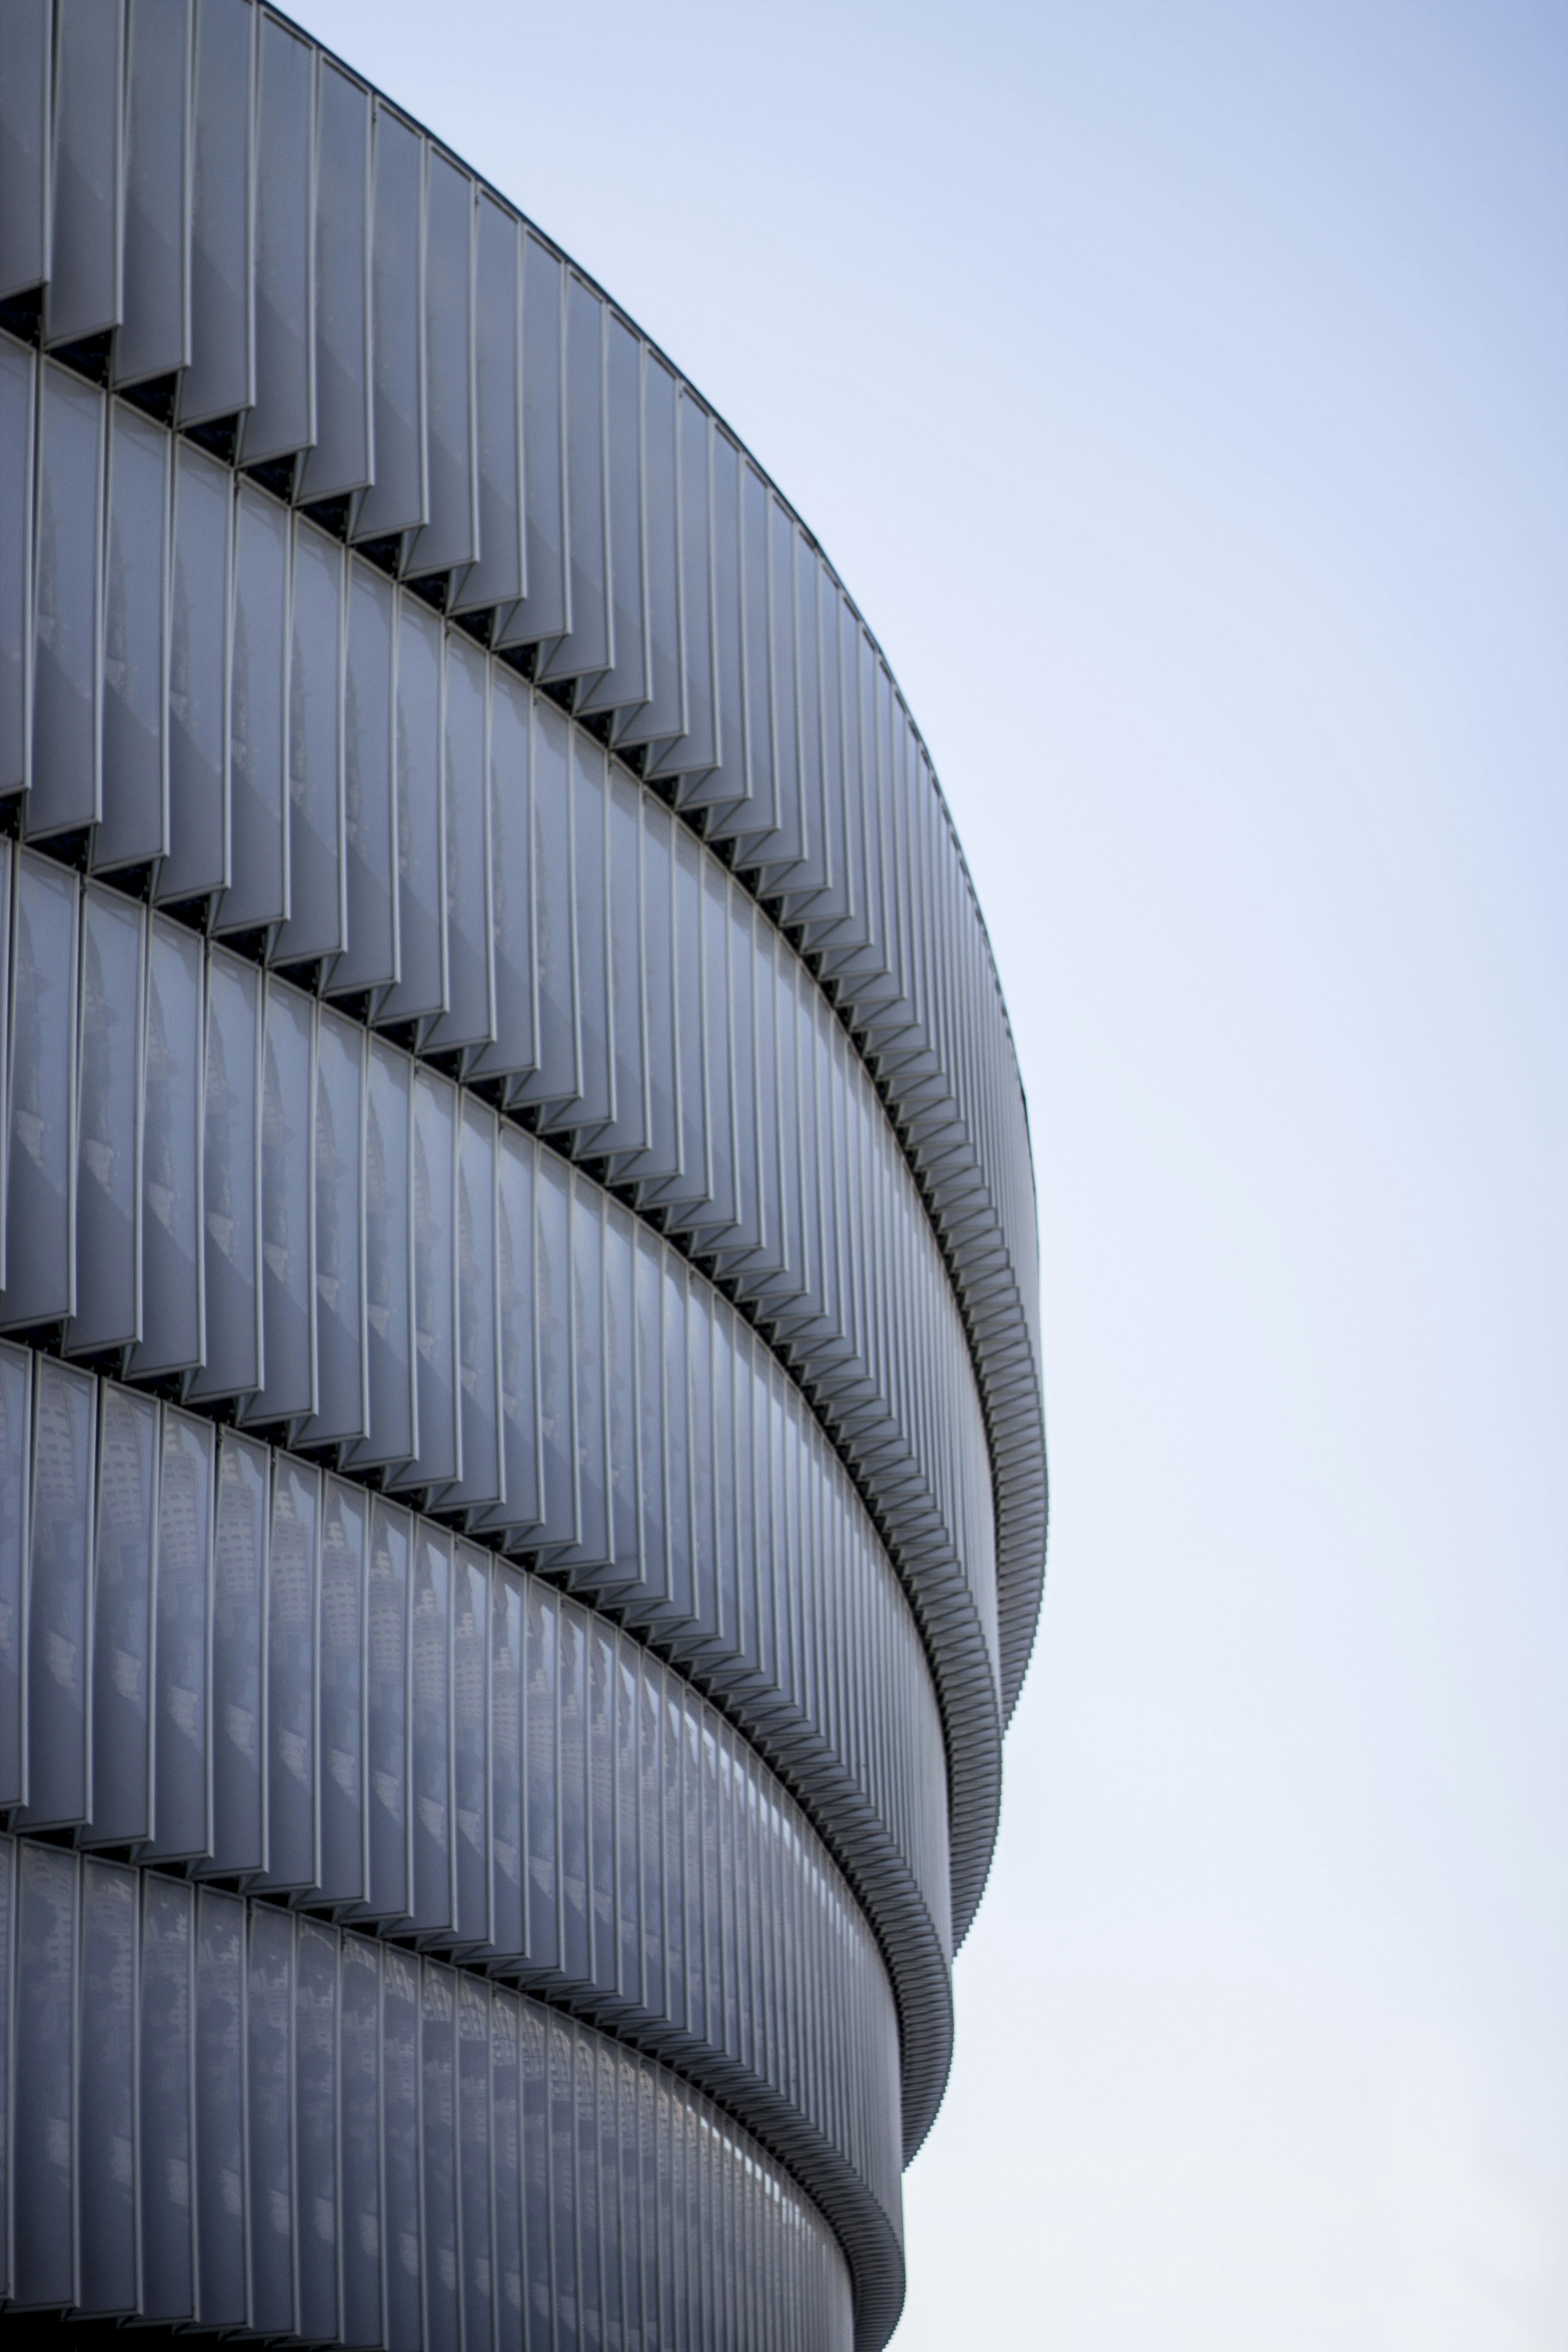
(205, 211)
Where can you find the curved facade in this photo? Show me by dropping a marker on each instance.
(520, 1408)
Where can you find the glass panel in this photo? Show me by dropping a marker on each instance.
(219, 380)
(198, 680)
(107, 1228)
(172, 1318)
(154, 334)
(231, 1167)
(259, 815)
(66, 617)
(340, 460)
(83, 297)
(283, 417)
(183, 1696)
(135, 682)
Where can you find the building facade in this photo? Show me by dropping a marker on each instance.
(520, 1408)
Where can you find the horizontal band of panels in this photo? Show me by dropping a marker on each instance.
(628, 995)
(226, 2115)
(216, 216)
(308, 1226)
(217, 1657)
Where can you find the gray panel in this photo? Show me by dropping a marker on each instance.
(478, 1310)
(220, 2052)
(590, 645)
(396, 501)
(344, 1695)
(288, 1207)
(59, 1613)
(136, 823)
(155, 337)
(231, 1177)
(341, 458)
(515, 1051)
(315, 2130)
(388, 1701)
(430, 1651)
(257, 895)
(43, 2115)
(546, 610)
(130, 1452)
(390, 1352)
(90, 73)
(450, 536)
(106, 2108)
(40, 1190)
(173, 1271)
(199, 622)
(239, 1686)
(318, 914)
(664, 713)
(359, 2152)
(16, 1543)
(624, 687)
(497, 578)
(108, 1125)
(440, 1459)
(421, 988)
(183, 1682)
(342, 1401)
(469, 1020)
(370, 814)
(165, 2100)
(293, 1628)
(283, 419)
(269, 2182)
(18, 368)
(221, 377)
(67, 615)
(25, 102)
(698, 748)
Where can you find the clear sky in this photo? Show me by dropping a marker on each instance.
(1181, 389)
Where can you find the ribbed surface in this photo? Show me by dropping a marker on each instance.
(230, 2116)
(322, 1696)
(496, 1025)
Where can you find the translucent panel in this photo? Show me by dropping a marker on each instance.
(360, 2111)
(239, 1605)
(469, 1019)
(399, 2148)
(155, 337)
(545, 611)
(258, 811)
(270, 2183)
(497, 578)
(317, 924)
(129, 1451)
(283, 417)
(389, 1260)
(478, 1309)
(288, 1204)
(173, 1318)
(183, 1682)
(342, 1410)
(470, 1743)
(430, 1651)
(41, 1164)
(220, 379)
(292, 1631)
(108, 1122)
(135, 823)
(388, 1664)
(67, 614)
(341, 460)
(557, 1077)
(315, 2129)
(220, 2065)
(231, 1165)
(58, 1600)
(24, 95)
(421, 987)
(370, 815)
(450, 535)
(515, 1295)
(198, 859)
(16, 396)
(84, 260)
(16, 1542)
(395, 500)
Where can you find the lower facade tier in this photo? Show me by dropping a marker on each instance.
(230, 2117)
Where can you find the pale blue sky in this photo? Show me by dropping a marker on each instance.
(1181, 387)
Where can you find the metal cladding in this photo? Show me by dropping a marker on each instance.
(525, 1489)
